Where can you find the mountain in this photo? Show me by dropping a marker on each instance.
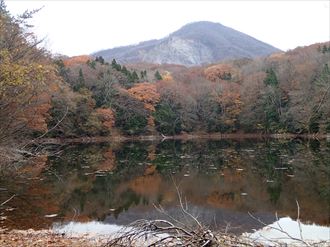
(194, 44)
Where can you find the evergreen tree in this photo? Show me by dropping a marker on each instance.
(81, 81)
(143, 75)
(158, 77)
(271, 78)
(135, 76)
(81, 78)
(91, 64)
(99, 59)
(115, 65)
(124, 70)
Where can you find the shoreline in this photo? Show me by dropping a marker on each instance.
(183, 137)
(49, 238)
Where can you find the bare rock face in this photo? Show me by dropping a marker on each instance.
(194, 44)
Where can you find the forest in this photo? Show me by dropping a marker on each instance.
(49, 96)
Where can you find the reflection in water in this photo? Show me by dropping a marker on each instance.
(93, 227)
(284, 230)
(220, 180)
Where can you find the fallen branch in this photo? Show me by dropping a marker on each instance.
(2, 204)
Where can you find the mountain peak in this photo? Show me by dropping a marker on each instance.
(195, 43)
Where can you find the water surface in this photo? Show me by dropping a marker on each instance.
(219, 181)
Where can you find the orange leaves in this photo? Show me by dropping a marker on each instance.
(220, 72)
(35, 114)
(77, 60)
(230, 102)
(147, 93)
(106, 116)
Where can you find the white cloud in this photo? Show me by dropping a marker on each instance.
(82, 27)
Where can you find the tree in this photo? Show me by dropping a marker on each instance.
(271, 79)
(158, 77)
(115, 65)
(80, 82)
(99, 59)
(26, 79)
(167, 119)
(124, 70)
(135, 76)
(323, 84)
(107, 118)
(146, 93)
(221, 72)
(131, 116)
(143, 75)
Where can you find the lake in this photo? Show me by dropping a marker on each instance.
(219, 181)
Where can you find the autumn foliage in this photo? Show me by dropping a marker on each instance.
(107, 117)
(86, 96)
(147, 93)
(82, 59)
(221, 72)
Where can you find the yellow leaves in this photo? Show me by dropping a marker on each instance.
(19, 73)
(167, 76)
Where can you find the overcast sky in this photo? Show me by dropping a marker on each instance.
(83, 27)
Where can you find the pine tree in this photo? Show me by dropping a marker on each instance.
(81, 78)
(135, 76)
(158, 77)
(271, 79)
(80, 82)
(115, 65)
(99, 59)
(124, 70)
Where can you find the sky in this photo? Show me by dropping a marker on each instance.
(83, 27)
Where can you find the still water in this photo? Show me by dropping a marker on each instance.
(220, 182)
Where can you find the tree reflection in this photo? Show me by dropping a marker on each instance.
(119, 182)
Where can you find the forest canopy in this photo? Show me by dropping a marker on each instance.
(51, 96)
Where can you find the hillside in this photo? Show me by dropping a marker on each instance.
(194, 44)
(86, 96)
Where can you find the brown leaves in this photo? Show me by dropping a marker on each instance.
(107, 117)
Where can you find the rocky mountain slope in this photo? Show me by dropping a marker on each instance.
(194, 44)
